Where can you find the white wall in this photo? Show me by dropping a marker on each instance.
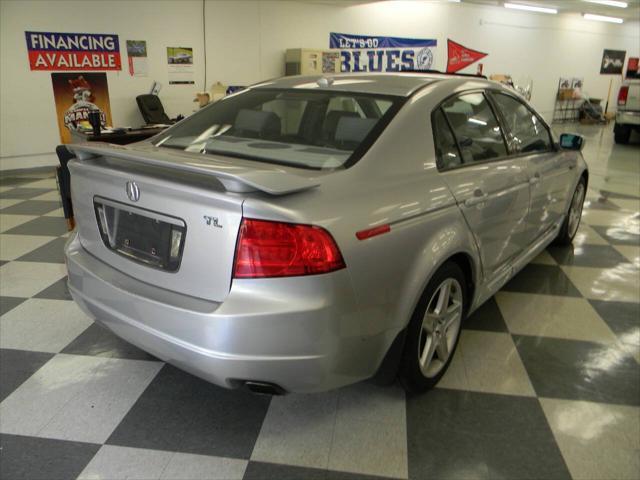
(28, 124)
(246, 40)
(543, 47)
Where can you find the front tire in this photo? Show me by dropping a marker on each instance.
(434, 329)
(572, 220)
(621, 133)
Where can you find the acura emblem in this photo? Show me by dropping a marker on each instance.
(133, 191)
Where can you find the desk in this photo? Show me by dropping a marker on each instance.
(118, 138)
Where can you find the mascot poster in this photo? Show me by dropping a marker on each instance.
(76, 94)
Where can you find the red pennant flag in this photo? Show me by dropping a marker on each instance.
(461, 56)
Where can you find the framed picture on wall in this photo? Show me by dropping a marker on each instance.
(612, 62)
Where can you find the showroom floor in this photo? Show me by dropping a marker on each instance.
(546, 381)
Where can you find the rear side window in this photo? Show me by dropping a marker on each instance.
(447, 154)
(528, 132)
(475, 127)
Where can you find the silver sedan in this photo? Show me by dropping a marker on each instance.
(312, 232)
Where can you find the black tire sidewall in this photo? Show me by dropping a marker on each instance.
(410, 374)
(563, 237)
(622, 133)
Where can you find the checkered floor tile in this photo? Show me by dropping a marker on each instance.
(545, 382)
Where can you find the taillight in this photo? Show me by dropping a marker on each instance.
(276, 249)
(622, 95)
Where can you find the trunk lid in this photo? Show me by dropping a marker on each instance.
(236, 175)
(203, 200)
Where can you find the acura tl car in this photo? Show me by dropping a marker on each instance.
(311, 232)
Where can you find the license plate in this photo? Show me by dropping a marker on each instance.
(144, 236)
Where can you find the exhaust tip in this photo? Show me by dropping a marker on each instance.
(264, 388)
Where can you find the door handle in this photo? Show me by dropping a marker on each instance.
(478, 197)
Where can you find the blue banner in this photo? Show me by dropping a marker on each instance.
(366, 53)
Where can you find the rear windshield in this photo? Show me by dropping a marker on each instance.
(309, 129)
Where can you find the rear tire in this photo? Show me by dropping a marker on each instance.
(574, 214)
(621, 133)
(434, 329)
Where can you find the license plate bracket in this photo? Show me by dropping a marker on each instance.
(144, 236)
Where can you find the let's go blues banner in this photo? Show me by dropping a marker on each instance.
(364, 53)
(73, 51)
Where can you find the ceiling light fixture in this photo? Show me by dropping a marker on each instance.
(609, 3)
(601, 18)
(530, 8)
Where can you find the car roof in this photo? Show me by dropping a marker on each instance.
(399, 84)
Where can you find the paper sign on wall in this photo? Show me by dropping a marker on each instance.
(73, 51)
(180, 65)
(364, 53)
(137, 52)
(76, 94)
(329, 61)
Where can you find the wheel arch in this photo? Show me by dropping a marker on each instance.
(387, 371)
(462, 251)
(465, 262)
(585, 175)
(464, 258)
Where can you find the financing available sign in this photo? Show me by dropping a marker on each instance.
(73, 51)
(364, 53)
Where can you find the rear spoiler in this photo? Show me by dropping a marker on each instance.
(235, 176)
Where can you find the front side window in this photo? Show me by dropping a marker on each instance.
(475, 127)
(528, 132)
(301, 128)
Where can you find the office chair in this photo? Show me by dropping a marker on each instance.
(151, 109)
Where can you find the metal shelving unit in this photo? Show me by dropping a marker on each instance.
(567, 110)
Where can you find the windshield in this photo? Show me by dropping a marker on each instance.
(309, 129)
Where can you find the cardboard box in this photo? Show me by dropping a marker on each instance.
(565, 94)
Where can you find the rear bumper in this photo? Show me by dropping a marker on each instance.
(302, 334)
(628, 117)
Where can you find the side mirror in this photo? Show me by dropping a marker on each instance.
(571, 141)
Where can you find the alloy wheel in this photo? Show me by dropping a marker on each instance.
(575, 210)
(440, 327)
